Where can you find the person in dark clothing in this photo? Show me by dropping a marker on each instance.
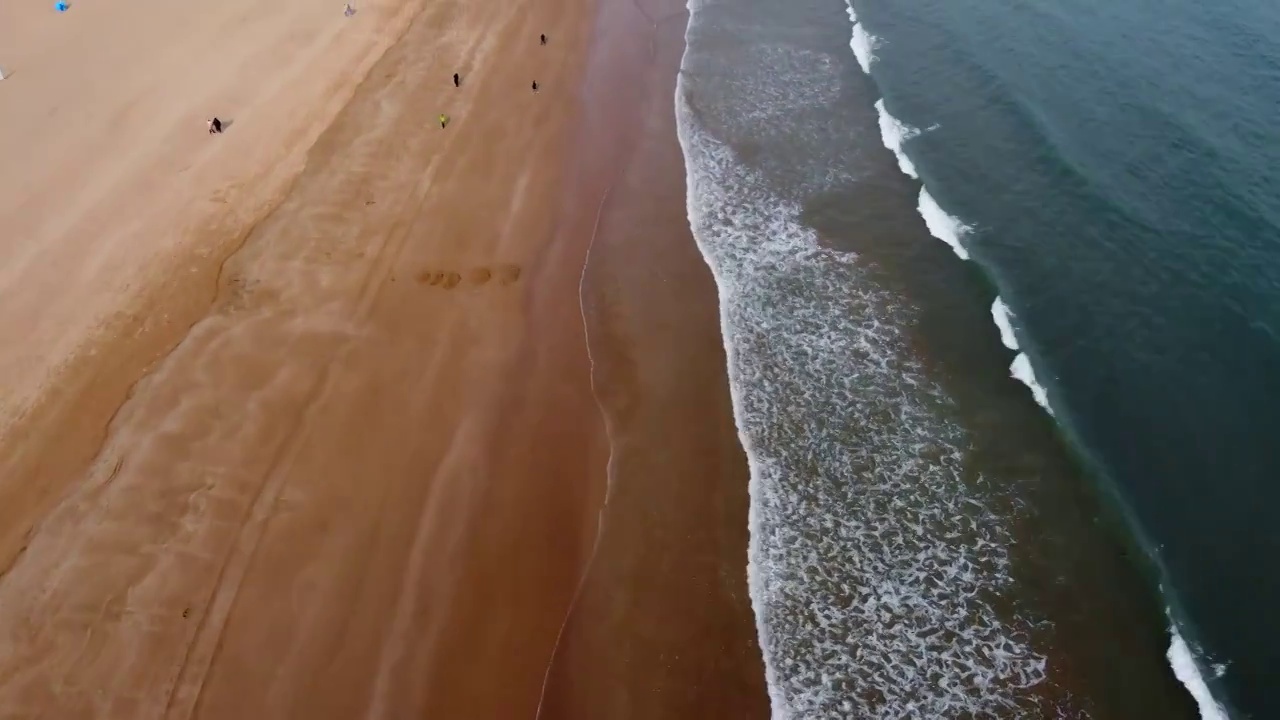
(543, 39)
(456, 80)
(215, 126)
(535, 86)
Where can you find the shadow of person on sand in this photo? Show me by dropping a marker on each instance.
(217, 125)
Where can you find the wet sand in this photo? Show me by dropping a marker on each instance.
(663, 627)
(334, 438)
(365, 482)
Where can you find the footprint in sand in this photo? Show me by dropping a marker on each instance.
(226, 193)
(449, 279)
(508, 273)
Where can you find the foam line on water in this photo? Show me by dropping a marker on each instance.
(1187, 671)
(874, 561)
(1004, 320)
(894, 133)
(863, 43)
(1021, 369)
(951, 230)
(946, 228)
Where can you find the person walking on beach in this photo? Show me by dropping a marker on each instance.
(542, 39)
(535, 86)
(456, 80)
(215, 126)
(444, 120)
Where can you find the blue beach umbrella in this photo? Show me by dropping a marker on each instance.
(61, 6)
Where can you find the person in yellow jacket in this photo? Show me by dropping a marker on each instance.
(444, 120)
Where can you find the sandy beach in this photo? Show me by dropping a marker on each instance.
(299, 421)
(663, 627)
(322, 502)
(118, 210)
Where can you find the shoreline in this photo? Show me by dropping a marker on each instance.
(662, 626)
(406, 409)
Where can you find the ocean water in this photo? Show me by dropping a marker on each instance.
(1117, 163)
(1021, 472)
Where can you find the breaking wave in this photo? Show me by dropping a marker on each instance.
(894, 133)
(863, 43)
(875, 561)
(951, 230)
(1020, 369)
(1188, 673)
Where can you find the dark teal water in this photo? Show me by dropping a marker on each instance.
(927, 541)
(1119, 165)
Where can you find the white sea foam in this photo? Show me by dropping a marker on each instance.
(950, 230)
(874, 560)
(1188, 672)
(864, 44)
(802, 80)
(894, 133)
(1004, 321)
(945, 227)
(1020, 369)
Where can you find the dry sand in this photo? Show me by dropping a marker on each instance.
(349, 490)
(298, 421)
(117, 209)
